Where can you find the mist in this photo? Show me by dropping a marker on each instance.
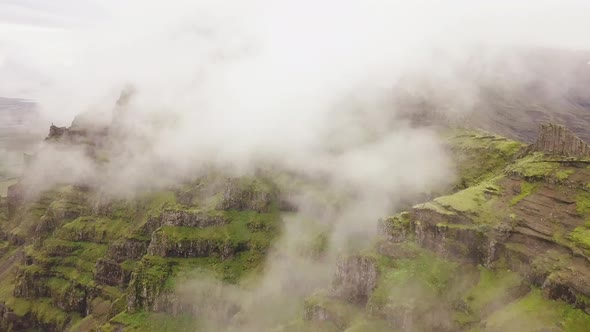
(302, 86)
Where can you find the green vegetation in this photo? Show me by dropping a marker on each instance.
(42, 309)
(537, 166)
(526, 189)
(533, 312)
(153, 322)
(414, 283)
(423, 277)
(341, 313)
(479, 155)
(581, 236)
(583, 203)
(563, 174)
(477, 200)
(492, 287)
(433, 206)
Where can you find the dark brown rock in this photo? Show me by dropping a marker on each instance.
(111, 273)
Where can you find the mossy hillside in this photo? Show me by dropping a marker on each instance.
(73, 260)
(41, 313)
(155, 203)
(422, 281)
(580, 236)
(162, 274)
(493, 287)
(533, 312)
(246, 230)
(92, 229)
(433, 206)
(51, 207)
(399, 222)
(340, 313)
(67, 257)
(419, 279)
(526, 189)
(477, 201)
(152, 322)
(537, 166)
(480, 155)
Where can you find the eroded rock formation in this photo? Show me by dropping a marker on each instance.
(558, 140)
(355, 279)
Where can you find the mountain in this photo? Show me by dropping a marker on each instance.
(506, 248)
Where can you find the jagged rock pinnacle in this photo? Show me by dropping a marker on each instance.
(557, 139)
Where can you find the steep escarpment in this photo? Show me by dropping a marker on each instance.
(508, 252)
(506, 248)
(531, 218)
(75, 259)
(558, 140)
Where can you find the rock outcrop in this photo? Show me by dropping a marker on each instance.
(129, 249)
(166, 245)
(241, 195)
(111, 273)
(558, 140)
(355, 279)
(191, 219)
(56, 132)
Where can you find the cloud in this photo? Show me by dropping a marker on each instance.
(303, 85)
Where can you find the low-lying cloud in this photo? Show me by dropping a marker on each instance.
(305, 85)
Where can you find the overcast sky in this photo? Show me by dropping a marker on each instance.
(37, 36)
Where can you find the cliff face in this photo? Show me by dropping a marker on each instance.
(558, 140)
(513, 234)
(509, 250)
(83, 259)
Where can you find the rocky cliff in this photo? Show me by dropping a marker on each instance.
(558, 140)
(507, 247)
(509, 252)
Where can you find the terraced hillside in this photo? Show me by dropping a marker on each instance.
(506, 249)
(91, 261)
(509, 252)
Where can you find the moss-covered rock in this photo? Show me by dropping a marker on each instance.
(147, 284)
(190, 242)
(248, 194)
(127, 249)
(109, 272)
